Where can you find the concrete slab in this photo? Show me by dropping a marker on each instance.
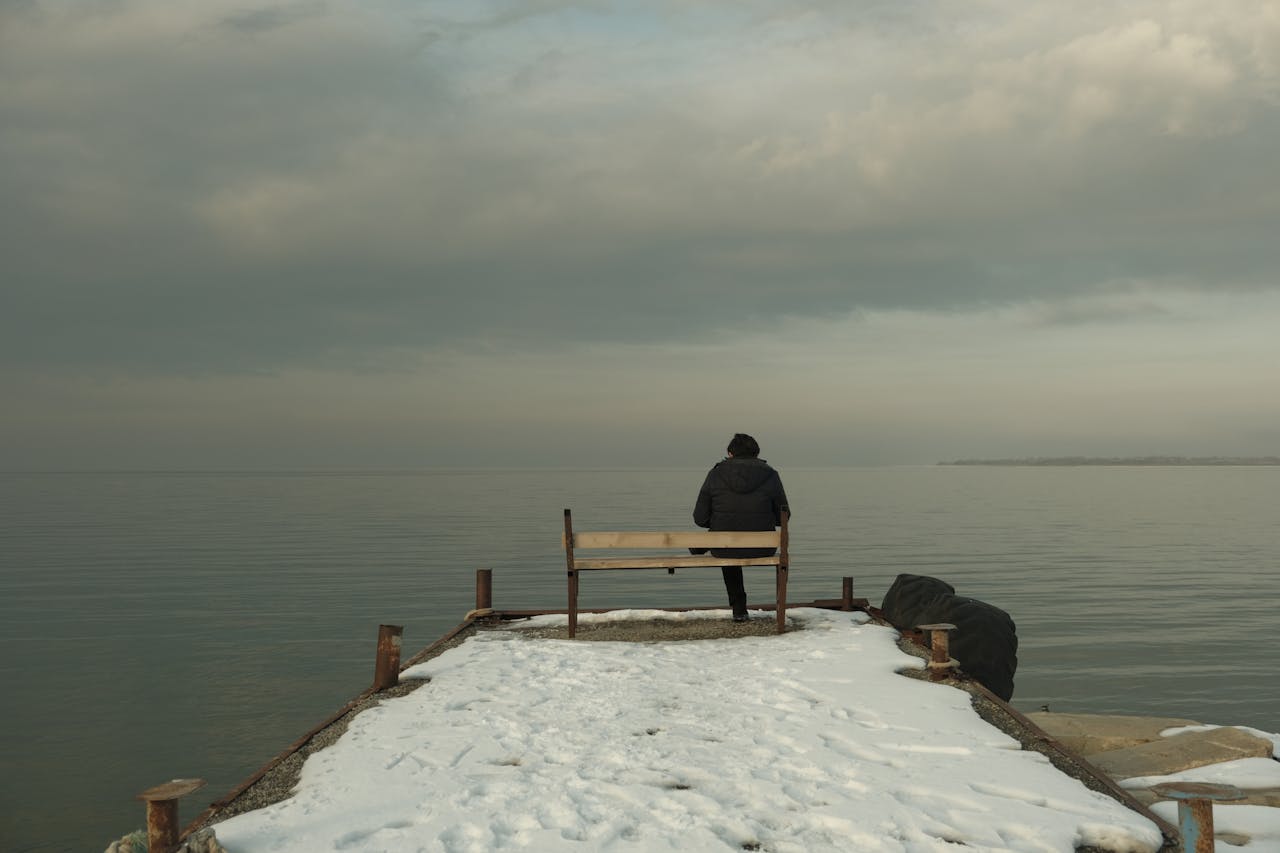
(1181, 752)
(1085, 734)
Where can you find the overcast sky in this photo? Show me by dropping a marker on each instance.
(416, 234)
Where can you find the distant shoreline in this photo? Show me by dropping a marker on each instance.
(1151, 461)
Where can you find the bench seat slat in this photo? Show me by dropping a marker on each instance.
(679, 539)
(673, 562)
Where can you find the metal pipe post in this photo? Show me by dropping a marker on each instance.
(1195, 822)
(1195, 810)
(940, 662)
(386, 671)
(162, 812)
(484, 589)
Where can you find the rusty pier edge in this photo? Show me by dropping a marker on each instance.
(1055, 751)
(1037, 738)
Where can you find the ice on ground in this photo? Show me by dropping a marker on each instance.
(807, 741)
(1271, 736)
(1242, 772)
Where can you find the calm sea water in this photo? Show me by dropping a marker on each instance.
(193, 624)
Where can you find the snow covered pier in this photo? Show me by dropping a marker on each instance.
(811, 740)
(816, 739)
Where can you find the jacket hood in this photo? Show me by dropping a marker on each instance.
(744, 475)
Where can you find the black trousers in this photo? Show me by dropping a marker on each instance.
(737, 592)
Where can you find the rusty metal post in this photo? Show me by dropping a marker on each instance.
(1195, 810)
(484, 589)
(386, 672)
(162, 812)
(940, 662)
(1195, 822)
(846, 594)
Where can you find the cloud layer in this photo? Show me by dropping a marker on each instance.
(230, 194)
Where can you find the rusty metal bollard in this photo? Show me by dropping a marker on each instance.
(940, 662)
(162, 812)
(1195, 810)
(386, 673)
(484, 595)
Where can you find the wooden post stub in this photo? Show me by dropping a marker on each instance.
(572, 573)
(386, 671)
(784, 563)
(162, 812)
(846, 594)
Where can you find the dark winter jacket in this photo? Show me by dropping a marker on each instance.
(741, 494)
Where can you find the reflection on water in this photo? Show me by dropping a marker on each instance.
(161, 625)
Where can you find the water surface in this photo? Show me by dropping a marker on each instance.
(193, 624)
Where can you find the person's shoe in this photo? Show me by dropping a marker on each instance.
(741, 617)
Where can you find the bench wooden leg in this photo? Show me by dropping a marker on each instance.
(782, 599)
(573, 604)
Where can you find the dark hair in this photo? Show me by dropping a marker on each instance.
(743, 445)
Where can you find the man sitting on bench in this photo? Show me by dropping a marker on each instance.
(740, 492)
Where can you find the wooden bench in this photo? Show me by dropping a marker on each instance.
(677, 559)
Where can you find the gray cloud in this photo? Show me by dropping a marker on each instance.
(270, 18)
(302, 179)
(222, 192)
